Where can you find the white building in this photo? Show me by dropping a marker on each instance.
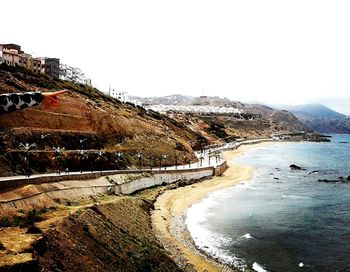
(1, 53)
(194, 108)
(73, 74)
(120, 95)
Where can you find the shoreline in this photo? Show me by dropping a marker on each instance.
(168, 218)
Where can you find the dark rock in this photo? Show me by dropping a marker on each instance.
(295, 167)
(328, 180)
(313, 172)
(276, 178)
(341, 178)
(348, 178)
(34, 230)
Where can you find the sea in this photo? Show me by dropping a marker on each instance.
(283, 219)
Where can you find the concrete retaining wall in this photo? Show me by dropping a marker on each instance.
(10, 183)
(219, 170)
(45, 194)
(161, 177)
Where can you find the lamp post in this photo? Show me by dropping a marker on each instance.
(27, 147)
(81, 154)
(119, 155)
(201, 160)
(99, 157)
(58, 153)
(164, 158)
(139, 156)
(42, 137)
(81, 141)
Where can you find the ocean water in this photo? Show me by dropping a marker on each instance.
(281, 220)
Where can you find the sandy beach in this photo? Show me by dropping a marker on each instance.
(168, 219)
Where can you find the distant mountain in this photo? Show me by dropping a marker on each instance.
(313, 110)
(319, 118)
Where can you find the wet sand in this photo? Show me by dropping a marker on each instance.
(168, 218)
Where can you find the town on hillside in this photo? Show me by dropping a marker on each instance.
(12, 55)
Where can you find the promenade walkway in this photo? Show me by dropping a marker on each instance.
(210, 157)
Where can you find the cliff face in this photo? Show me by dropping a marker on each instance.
(109, 237)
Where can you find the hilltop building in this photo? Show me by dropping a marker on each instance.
(120, 95)
(1, 46)
(13, 47)
(12, 55)
(73, 74)
(52, 67)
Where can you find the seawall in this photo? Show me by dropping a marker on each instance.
(41, 192)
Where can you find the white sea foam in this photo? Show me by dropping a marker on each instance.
(258, 268)
(247, 236)
(294, 197)
(210, 242)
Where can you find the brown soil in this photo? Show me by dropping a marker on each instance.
(114, 236)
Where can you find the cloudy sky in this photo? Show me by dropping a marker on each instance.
(270, 51)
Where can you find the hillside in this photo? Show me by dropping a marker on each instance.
(254, 121)
(319, 118)
(85, 114)
(88, 120)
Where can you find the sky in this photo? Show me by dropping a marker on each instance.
(286, 52)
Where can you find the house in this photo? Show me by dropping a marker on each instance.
(1, 47)
(10, 56)
(120, 95)
(73, 74)
(52, 67)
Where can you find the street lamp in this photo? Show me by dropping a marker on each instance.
(164, 158)
(42, 137)
(58, 151)
(81, 141)
(139, 156)
(201, 160)
(27, 147)
(99, 156)
(119, 155)
(81, 154)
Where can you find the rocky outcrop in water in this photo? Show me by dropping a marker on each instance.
(340, 179)
(296, 167)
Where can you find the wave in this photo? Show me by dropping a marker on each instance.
(247, 236)
(258, 268)
(294, 197)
